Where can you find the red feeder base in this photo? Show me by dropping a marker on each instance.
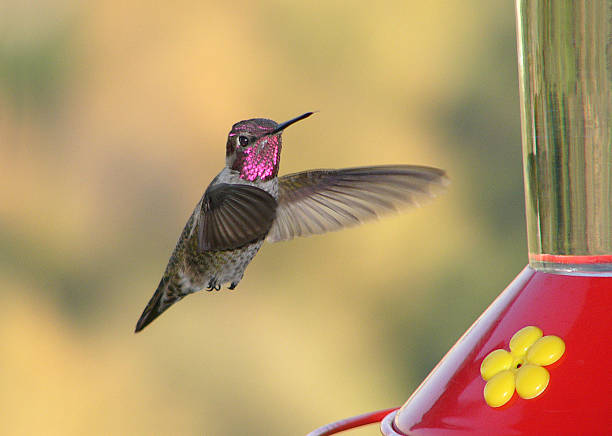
(576, 400)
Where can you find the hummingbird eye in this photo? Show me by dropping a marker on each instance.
(243, 141)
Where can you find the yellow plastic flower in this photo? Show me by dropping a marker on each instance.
(521, 367)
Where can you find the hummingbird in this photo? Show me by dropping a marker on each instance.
(247, 204)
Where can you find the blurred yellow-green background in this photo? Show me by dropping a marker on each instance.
(113, 120)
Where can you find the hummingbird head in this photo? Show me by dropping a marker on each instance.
(254, 146)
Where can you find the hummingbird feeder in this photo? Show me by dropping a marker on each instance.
(536, 361)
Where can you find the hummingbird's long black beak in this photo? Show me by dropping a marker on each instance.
(283, 126)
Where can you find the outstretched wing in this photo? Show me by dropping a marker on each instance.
(233, 216)
(321, 201)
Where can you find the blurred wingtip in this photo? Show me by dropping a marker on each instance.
(444, 178)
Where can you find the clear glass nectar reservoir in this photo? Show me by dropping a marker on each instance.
(565, 72)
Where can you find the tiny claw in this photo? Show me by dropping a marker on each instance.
(213, 285)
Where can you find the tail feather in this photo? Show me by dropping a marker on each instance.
(162, 299)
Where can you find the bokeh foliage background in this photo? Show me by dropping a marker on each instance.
(113, 119)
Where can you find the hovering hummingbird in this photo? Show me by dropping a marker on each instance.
(247, 203)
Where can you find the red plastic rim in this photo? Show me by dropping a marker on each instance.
(386, 425)
(570, 259)
(353, 422)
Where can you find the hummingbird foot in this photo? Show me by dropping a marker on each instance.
(213, 285)
(233, 286)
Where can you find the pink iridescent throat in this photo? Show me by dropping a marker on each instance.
(259, 161)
